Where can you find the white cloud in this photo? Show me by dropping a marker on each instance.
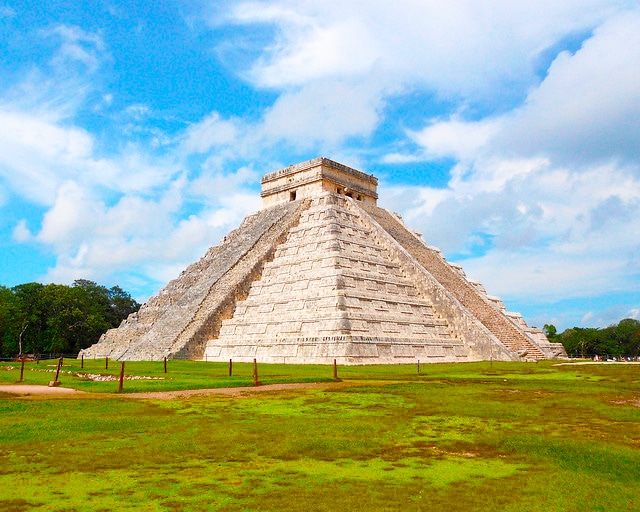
(322, 114)
(310, 51)
(21, 232)
(76, 46)
(146, 236)
(73, 214)
(208, 133)
(336, 63)
(455, 138)
(588, 106)
(36, 154)
(456, 47)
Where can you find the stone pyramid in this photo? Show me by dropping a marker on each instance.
(321, 273)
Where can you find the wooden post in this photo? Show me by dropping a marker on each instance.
(256, 382)
(230, 368)
(22, 371)
(82, 361)
(106, 363)
(56, 382)
(335, 369)
(418, 366)
(165, 364)
(121, 377)
(58, 369)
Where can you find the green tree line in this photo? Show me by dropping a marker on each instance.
(54, 318)
(621, 340)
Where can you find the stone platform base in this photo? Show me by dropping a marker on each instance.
(348, 350)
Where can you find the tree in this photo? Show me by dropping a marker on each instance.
(8, 322)
(627, 335)
(121, 305)
(621, 340)
(58, 318)
(29, 322)
(550, 331)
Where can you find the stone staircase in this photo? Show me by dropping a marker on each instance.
(512, 337)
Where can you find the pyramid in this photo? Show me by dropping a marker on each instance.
(321, 273)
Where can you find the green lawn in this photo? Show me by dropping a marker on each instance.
(479, 436)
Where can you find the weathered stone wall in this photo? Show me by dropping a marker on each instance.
(311, 178)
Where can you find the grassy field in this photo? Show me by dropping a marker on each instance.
(479, 436)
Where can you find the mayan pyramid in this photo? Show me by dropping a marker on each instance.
(321, 273)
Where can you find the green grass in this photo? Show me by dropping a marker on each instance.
(479, 436)
(180, 374)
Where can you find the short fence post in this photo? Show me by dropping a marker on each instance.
(56, 382)
(256, 382)
(230, 367)
(58, 369)
(121, 377)
(335, 369)
(22, 371)
(165, 364)
(418, 366)
(106, 363)
(82, 361)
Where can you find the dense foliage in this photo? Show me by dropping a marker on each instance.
(622, 340)
(54, 318)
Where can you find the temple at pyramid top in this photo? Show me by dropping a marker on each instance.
(310, 178)
(322, 274)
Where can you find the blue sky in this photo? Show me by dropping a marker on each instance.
(133, 136)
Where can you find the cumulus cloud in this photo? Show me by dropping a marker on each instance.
(323, 114)
(210, 132)
(588, 106)
(455, 138)
(36, 154)
(456, 48)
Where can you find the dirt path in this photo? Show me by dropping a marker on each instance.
(32, 390)
(46, 391)
(240, 391)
